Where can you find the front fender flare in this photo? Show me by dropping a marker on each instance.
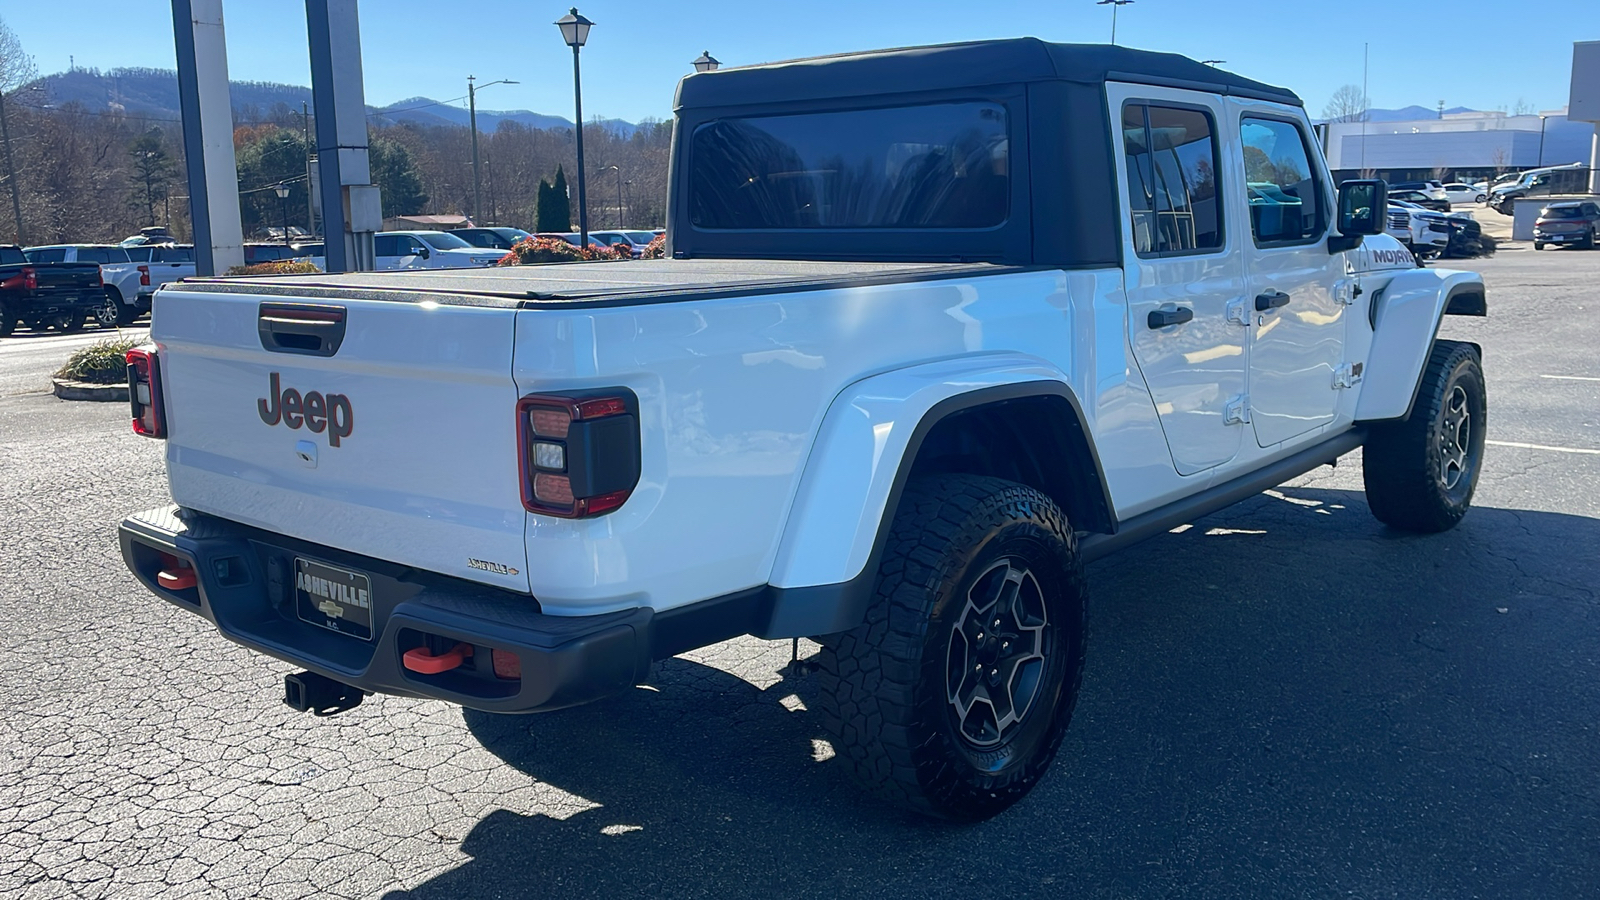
(821, 578)
(1405, 321)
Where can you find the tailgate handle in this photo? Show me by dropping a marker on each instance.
(310, 329)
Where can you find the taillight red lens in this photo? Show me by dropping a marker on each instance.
(579, 453)
(144, 393)
(30, 278)
(144, 276)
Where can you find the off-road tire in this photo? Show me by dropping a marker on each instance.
(887, 684)
(8, 320)
(1588, 242)
(1420, 472)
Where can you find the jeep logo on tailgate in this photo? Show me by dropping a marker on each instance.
(316, 411)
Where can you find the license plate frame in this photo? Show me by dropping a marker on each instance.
(333, 597)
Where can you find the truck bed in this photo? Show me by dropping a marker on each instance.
(587, 284)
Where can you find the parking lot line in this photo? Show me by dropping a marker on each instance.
(1522, 446)
(1571, 377)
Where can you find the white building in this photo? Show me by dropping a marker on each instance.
(1459, 145)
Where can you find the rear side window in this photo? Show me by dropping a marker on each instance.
(386, 245)
(47, 256)
(173, 254)
(11, 256)
(1286, 204)
(941, 165)
(1171, 157)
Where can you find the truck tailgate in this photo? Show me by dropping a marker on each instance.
(400, 445)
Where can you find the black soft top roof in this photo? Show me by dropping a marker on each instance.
(950, 66)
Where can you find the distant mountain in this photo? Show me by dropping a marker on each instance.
(1412, 113)
(153, 94)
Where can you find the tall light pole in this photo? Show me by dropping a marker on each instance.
(575, 31)
(1114, 4)
(619, 193)
(472, 114)
(706, 62)
(282, 190)
(1541, 139)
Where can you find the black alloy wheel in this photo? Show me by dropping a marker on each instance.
(952, 698)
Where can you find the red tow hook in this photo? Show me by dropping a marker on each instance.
(176, 574)
(421, 661)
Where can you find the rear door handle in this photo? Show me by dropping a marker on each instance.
(1271, 300)
(1165, 318)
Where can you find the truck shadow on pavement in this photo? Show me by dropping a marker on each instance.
(1286, 695)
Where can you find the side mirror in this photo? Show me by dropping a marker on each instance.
(423, 252)
(1362, 207)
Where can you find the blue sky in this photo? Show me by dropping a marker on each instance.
(640, 48)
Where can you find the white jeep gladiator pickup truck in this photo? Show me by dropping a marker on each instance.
(936, 327)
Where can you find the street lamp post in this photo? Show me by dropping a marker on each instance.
(575, 31)
(1114, 4)
(706, 62)
(1541, 140)
(472, 114)
(282, 190)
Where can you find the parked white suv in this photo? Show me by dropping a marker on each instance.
(1079, 296)
(429, 250)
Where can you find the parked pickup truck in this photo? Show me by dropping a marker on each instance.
(46, 295)
(937, 327)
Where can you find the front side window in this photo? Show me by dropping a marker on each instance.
(1286, 203)
(941, 165)
(53, 255)
(1171, 156)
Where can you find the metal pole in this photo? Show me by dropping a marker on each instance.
(1114, 7)
(620, 226)
(472, 113)
(11, 169)
(284, 202)
(577, 102)
(305, 135)
(1541, 140)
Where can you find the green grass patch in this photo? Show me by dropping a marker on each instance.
(102, 363)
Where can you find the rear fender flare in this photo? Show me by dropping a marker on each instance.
(823, 574)
(1405, 321)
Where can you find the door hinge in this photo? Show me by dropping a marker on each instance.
(1237, 412)
(1347, 375)
(1238, 313)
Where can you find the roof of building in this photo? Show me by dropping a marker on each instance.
(965, 65)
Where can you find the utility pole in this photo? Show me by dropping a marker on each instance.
(11, 169)
(305, 136)
(472, 115)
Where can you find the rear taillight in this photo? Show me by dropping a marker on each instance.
(144, 276)
(579, 452)
(30, 278)
(144, 393)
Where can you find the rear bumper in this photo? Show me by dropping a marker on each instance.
(245, 586)
(56, 303)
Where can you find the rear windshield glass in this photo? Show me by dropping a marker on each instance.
(438, 240)
(1563, 212)
(942, 165)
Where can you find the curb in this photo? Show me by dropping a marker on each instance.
(83, 390)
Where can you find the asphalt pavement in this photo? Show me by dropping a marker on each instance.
(1284, 700)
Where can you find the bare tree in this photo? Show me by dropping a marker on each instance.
(1498, 159)
(1348, 104)
(1522, 108)
(16, 68)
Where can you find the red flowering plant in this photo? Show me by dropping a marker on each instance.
(600, 251)
(656, 249)
(531, 250)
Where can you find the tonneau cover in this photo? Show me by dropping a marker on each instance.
(583, 284)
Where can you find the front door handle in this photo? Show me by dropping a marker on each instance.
(1165, 318)
(1271, 300)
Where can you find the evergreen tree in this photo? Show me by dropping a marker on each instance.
(153, 170)
(562, 199)
(395, 174)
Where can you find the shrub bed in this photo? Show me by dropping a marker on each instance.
(102, 363)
